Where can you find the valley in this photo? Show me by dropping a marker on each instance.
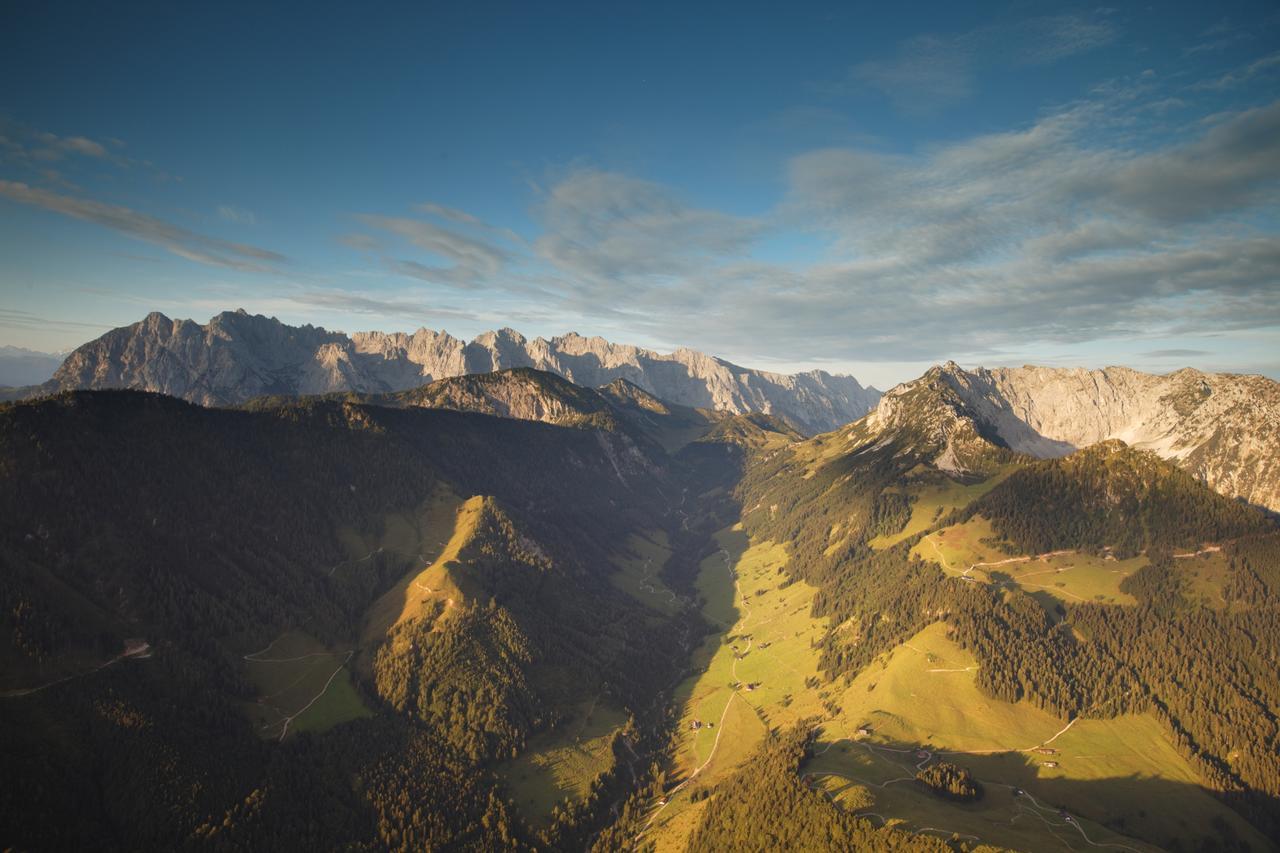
(640, 428)
(599, 621)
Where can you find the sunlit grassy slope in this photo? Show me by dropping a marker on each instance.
(446, 525)
(934, 500)
(750, 675)
(921, 704)
(1120, 779)
(1068, 577)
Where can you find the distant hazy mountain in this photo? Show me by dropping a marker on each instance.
(1223, 428)
(20, 366)
(236, 357)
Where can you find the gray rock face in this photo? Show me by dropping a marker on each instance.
(1223, 428)
(237, 356)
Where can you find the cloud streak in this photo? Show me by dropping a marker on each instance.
(173, 238)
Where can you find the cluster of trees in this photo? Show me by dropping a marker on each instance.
(951, 781)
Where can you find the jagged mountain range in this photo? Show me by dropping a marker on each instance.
(237, 356)
(1222, 428)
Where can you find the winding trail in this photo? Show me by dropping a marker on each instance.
(335, 566)
(284, 725)
(666, 800)
(646, 584)
(140, 652)
(255, 657)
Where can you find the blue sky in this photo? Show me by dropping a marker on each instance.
(867, 188)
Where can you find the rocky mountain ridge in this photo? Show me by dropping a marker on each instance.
(237, 356)
(1222, 428)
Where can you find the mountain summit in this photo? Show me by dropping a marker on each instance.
(237, 356)
(1222, 428)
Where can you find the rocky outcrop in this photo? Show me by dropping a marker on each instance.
(237, 356)
(1223, 428)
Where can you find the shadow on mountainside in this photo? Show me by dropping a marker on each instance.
(1027, 804)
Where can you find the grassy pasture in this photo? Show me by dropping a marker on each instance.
(414, 535)
(448, 525)
(1120, 778)
(959, 546)
(301, 686)
(562, 763)
(1072, 577)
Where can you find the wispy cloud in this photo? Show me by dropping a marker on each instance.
(1240, 76)
(1054, 233)
(173, 238)
(1070, 230)
(450, 213)
(413, 308)
(469, 260)
(927, 73)
(362, 242)
(25, 320)
(36, 149)
(932, 71)
(238, 215)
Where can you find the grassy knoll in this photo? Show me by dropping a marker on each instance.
(639, 566)
(1071, 577)
(562, 763)
(1119, 778)
(934, 500)
(301, 686)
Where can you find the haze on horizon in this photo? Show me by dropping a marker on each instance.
(863, 190)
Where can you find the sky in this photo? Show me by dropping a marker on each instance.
(861, 188)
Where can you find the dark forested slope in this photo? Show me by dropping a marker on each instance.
(207, 533)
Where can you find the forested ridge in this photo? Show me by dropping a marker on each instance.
(208, 532)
